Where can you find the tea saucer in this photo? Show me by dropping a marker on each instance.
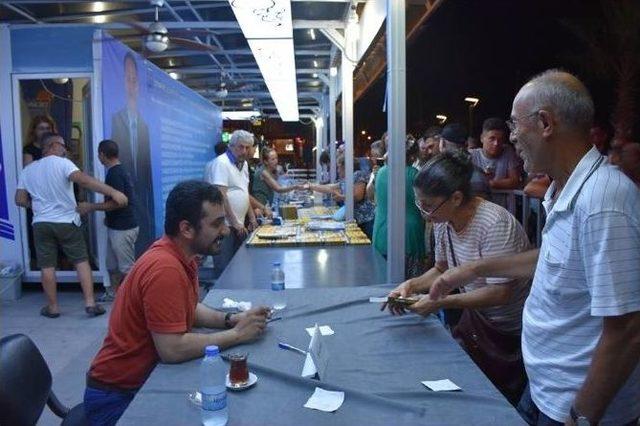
(253, 379)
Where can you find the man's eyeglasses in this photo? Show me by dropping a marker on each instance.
(429, 213)
(512, 123)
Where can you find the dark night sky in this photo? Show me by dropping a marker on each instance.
(487, 49)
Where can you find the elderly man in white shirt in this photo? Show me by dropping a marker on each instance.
(230, 173)
(581, 322)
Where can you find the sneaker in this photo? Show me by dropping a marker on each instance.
(107, 296)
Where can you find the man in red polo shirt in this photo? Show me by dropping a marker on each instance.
(157, 306)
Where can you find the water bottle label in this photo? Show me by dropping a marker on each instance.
(214, 401)
(277, 286)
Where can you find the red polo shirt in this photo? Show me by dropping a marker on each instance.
(159, 295)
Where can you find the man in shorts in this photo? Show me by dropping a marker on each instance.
(46, 186)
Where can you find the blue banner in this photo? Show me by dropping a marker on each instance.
(6, 227)
(165, 131)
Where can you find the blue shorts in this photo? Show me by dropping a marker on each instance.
(104, 407)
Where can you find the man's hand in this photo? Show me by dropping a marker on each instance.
(84, 208)
(250, 325)
(239, 229)
(266, 212)
(425, 306)
(450, 280)
(119, 198)
(253, 225)
(403, 290)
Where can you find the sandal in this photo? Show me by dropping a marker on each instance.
(94, 311)
(45, 312)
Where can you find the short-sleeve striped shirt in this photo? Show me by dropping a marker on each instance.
(493, 231)
(588, 268)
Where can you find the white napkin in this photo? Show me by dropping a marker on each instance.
(232, 304)
(325, 400)
(444, 385)
(325, 330)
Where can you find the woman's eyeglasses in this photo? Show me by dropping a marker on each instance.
(432, 211)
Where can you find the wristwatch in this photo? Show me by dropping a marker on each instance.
(227, 322)
(577, 418)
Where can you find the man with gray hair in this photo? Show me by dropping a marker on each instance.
(46, 186)
(581, 321)
(230, 173)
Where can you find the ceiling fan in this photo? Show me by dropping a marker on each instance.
(157, 38)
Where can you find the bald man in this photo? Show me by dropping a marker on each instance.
(581, 321)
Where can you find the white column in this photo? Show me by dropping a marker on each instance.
(347, 131)
(349, 55)
(333, 88)
(319, 125)
(396, 126)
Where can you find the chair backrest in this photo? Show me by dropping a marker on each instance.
(25, 381)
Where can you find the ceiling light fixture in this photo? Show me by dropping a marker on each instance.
(312, 33)
(269, 33)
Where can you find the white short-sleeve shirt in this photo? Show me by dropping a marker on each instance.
(223, 172)
(493, 231)
(588, 268)
(47, 182)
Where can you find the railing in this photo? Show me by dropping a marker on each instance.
(523, 210)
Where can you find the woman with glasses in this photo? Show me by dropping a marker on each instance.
(414, 224)
(468, 228)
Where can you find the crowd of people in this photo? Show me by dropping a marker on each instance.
(556, 328)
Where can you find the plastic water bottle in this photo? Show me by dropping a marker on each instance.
(277, 287)
(213, 388)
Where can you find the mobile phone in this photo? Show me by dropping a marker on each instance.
(402, 301)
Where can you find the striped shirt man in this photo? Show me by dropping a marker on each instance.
(588, 268)
(492, 232)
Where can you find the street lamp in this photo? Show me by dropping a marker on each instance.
(441, 118)
(472, 104)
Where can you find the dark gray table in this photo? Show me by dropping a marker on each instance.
(377, 360)
(305, 267)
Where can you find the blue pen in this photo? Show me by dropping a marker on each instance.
(282, 345)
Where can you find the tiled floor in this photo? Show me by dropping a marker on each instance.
(68, 343)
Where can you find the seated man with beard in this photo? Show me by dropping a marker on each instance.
(157, 306)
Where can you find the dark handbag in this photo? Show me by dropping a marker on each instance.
(497, 353)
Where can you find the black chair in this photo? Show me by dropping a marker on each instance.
(25, 386)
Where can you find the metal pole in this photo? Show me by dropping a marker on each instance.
(396, 126)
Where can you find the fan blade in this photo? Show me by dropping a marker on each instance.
(137, 25)
(191, 44)
(190, 33)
